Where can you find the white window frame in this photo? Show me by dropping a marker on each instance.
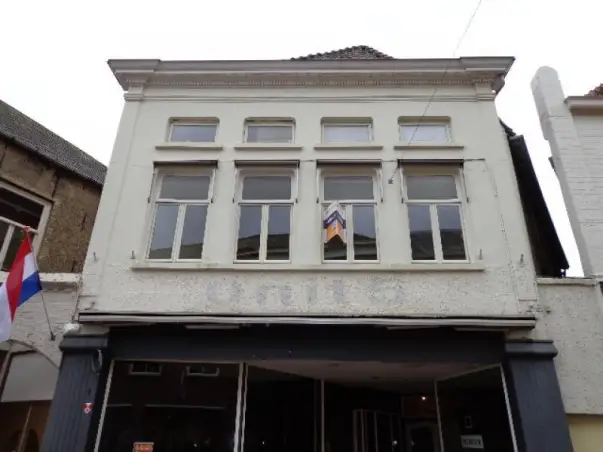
(133, 372)
(428, 123)
(347, 123)
(243, 173)
(182, 203)
(343, 171)
(285, 122)
(37, 233)
(457, 173)
(191, 374)
(193, 122)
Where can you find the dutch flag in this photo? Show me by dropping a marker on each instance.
(22, 283)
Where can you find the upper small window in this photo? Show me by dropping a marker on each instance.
(433, 132)
(194, 132)
(269, 131)
(347, 132)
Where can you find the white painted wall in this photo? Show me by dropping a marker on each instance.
(496, 282)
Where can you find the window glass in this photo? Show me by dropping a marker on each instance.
(451, 232)
(185, 187)
(279, 229)
(199, 133)
(266, 187)
(346, 133)
(20, 209)
(365, 234)
(13, 247)
(421, 237)
(164, 229)
(431, 187)
(348, 187)
(269, 134)
(193, 232)
(437, 133)
(250, 226)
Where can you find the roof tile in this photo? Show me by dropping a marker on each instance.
(597, 92)
(349, 53)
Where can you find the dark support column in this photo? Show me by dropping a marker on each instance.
(538, 414)
(81, 380)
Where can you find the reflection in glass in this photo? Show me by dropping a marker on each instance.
(193, 232)
(350, 133)
(269, 134)
(451, 232)
(431, 187)
(365, 234)
(267, 187)
(163, 231)
(185, 187)
(335, 249)
(250, 223)
(348, 187)
(279, 228)
(437, 133)
(198, 133)
(421, 237)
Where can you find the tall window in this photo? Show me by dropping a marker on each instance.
(180, 215)
(269, 131)
(434, 215)
(194, 131)
(17, 210)
(265, 208)
(352, 131)
(424, 131)
(354, 192)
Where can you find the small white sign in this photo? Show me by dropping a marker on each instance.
(472, 441)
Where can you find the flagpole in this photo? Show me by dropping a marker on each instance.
(52, 336)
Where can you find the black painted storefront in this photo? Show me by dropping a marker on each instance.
(534, 395)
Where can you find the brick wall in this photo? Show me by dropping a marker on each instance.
(74, 204)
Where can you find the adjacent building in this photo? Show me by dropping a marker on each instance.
(53, 187)
(330, 253)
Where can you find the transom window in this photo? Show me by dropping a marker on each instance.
(435, 219)
(17, 210)
(265, 207)
(180, 216)
(352, 197)
(436, 132)
(269, 131)
(346, 132)
(195, 132)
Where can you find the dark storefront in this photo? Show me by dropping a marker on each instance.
(306, 388)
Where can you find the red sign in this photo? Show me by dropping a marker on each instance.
(143, 447)
(87, 407)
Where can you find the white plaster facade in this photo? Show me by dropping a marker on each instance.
(496, 281)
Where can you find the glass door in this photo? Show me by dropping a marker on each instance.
(474, 413)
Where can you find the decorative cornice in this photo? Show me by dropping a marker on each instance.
(487, 71)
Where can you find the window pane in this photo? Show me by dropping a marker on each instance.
(431, 187)
(424, 132)
(365, 234)
(451, 232)
(269, 134)
(250, 223)
(267, 187)
(335, 249)
(348, 187)
(421, 238)
(163, 231)
(279, 229)
(346, 133)
(20, 209)
(13, 247)
(193, 232)
(200, 133)
(185, 187)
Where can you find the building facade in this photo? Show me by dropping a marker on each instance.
(573, 127)
(323, 253)
(53, 187)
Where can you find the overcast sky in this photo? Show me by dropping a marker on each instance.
(53, 53)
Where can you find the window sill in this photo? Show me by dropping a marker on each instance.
(426, 145)
(348, 147)
(186, 146)
(208, 266)
(268, 147)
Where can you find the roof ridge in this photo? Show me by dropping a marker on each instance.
(358, 52)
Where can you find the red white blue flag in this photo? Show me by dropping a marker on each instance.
(22, 283)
